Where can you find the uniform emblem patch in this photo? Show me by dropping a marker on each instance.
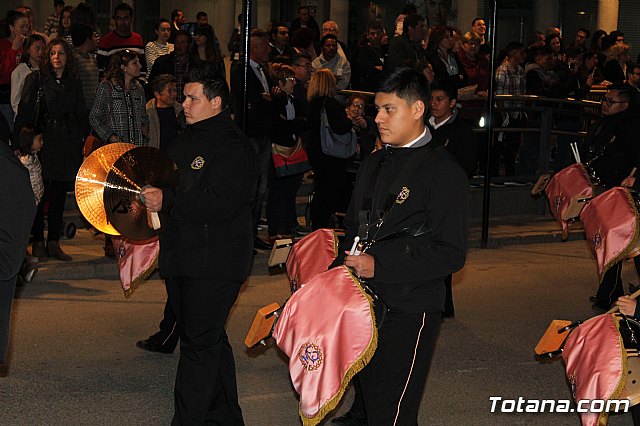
(310, 356)
(597, 240)
(197, 163)
(403, 195)
(557, 203)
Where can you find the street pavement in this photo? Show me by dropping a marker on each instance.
(73, 359)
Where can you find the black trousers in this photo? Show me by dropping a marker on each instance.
(392, 383)
(169, 333)
(7, 289)
(611, 287)
(281, 203)
(205, 389)
(331, 191)
(55, 192)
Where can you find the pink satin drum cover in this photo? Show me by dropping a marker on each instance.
(595, 360)
(563, 186)
(136, 260)
(311, 256)
(328, 331)
(611, 227)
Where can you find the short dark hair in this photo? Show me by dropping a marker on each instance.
(58, 3)
(123, 7)
(274, 27)
(407, 84)
(295, 58)
(447, 86)
(201, 14)
(374, 25)
(213, 84)
(303, 7)
(160, 82)
(324, 39)
(161, 21)
(476, 20)
(80, 33)
(585, 31)
(411, 21)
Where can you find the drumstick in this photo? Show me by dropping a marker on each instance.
(633, 172)
(573, 151)
(354, 247)
(576, 152)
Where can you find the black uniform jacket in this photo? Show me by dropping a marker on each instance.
(432, 190)
(457, 137)
(18, 208)
(613, 147)
(206, 221)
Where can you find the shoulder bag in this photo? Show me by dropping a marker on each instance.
(290, 161)
(333, 144)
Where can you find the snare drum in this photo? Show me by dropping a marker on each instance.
(601, 361)
(611, 226)
(569, 182)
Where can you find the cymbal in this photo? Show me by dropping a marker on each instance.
(135, 169)
(90, 184)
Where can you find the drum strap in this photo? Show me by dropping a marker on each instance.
(365, 224)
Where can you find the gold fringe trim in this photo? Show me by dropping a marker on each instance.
(603, 417)
(630, 247)
(336, 244)
(141, 278)
(354, 369)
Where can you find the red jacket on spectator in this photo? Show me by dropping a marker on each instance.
(9, 60)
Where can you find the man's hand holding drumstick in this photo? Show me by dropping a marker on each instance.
(631, 179)
(362, 264)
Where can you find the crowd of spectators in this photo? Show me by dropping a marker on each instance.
(131, 91)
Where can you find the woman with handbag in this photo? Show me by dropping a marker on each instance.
(52, 98)
(119, 113)
(332, 190)
(289, 157)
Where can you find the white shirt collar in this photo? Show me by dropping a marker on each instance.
(413, 142)
(432, 121)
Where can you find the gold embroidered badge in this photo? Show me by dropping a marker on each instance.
(403, 195)
(197, 163)
(310, 355)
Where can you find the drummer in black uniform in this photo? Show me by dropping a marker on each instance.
(410, 202)
(612, 148)
(206, 248)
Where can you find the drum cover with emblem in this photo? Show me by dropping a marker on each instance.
(135, 169)
(91, 181)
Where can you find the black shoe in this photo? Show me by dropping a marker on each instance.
(261, 244)
(348, 420)
(150, 346)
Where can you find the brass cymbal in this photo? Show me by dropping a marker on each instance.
(135, 169)
(90, 184)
